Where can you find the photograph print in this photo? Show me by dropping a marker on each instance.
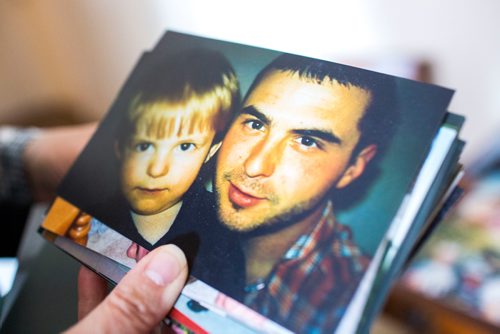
(276, 174)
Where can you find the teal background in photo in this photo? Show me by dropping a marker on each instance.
(370, 218)
(247, 61)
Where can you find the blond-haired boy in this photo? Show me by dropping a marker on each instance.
(174, 124)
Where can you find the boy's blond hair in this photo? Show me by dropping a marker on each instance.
(193, 90)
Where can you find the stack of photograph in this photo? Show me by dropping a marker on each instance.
(296, 187)
(453, 283)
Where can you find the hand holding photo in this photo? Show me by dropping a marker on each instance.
(278, 199)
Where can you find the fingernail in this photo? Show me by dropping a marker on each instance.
(165, 265)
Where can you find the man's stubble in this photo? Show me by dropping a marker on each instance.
(261, 220)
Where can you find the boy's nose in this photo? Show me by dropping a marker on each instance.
(158, 166)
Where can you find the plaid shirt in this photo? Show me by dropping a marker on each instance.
(309, 289)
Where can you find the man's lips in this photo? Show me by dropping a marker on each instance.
(242, 199)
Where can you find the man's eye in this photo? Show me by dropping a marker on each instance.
(254, 124)
(308, 142)
(187, 147)
(142, 147)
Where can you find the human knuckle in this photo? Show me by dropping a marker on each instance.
(132, 307)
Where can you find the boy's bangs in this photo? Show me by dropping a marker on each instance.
(161, 120)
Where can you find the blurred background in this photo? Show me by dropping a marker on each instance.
(63, 62)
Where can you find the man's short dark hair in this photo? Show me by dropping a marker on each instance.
(377, 125)
(381, 117)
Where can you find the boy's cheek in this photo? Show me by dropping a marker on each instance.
(192, 164)
(132, 173)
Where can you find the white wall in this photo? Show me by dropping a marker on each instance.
(82, 50)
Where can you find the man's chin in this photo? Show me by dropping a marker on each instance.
(251, 225)
(235, 224)
(269, 227)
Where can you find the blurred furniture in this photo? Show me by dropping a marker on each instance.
(425, 315)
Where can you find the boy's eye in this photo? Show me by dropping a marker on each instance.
(142, 147)
(187, 147)
(254, 124)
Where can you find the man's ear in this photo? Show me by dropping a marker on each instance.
(215, 147)
(358, 166)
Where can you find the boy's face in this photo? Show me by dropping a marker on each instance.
(159, 167)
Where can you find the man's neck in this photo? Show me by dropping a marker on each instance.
(153, 227)
(264, 251)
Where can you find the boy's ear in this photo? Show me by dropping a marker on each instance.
(118, 152)
(215, 147)
(358, 166)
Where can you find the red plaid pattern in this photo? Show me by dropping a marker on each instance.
(311, 286)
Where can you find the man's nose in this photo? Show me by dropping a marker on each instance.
(159, 165)
(263, 158)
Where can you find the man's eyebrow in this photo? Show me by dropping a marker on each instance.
(318, 133)
(321, 134)
(251, 110)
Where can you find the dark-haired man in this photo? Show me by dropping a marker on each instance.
(307, 129)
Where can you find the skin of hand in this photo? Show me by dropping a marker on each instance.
(139, 302)
(48, 157)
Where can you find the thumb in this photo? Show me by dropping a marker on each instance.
(143, 297)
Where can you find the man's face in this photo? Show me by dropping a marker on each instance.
(290, 145)
(158, 168)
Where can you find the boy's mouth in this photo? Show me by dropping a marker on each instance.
(151, 191)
